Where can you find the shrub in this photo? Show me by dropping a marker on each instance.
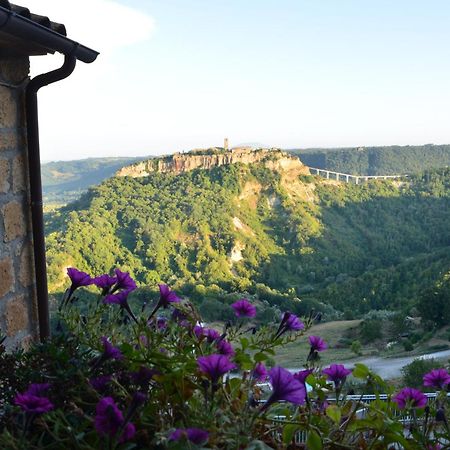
(356, 347)
(115, 379)
(413, 373)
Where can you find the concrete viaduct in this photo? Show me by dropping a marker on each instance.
(348, 178)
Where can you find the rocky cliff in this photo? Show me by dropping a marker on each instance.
(177, 163)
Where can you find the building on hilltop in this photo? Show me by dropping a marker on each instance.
(23, 277)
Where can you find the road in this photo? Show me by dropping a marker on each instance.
(389, 368)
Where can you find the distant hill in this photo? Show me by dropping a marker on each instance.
(65, 181)
(263, 227)
(391, 160)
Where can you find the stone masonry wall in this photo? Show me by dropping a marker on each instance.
(18, 313)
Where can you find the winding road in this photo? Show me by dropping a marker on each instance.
(391, 367)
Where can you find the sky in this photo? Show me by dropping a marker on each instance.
(175, 75)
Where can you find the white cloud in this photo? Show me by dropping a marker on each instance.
(104, 25)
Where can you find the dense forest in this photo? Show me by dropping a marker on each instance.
(294, 243)
(65, 181)
(392, 160)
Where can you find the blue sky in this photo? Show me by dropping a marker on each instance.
(179, 74)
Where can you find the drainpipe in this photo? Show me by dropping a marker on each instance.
(34, 169)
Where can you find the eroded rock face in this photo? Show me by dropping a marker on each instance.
(209, 158)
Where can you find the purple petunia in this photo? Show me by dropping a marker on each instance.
(215, 366)
(121, 298)
(292, 322)
(285, 387)
(124, 281)
(100, 383)
(161, 323)
(143, 376)
(109, 420)
(438, 378)
(259, 373)
(289, 322)
(196, 435)
(210, 334)
(243, 308)
(337, 373)
(303, 375)
(105, 282)
(128, 433)
(33, 401)
(78, 278)
(410, 398)
(224, 348)
(109, 351)
(317, 344)
(38, 389)
(166, 296)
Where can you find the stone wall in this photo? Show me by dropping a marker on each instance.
(18, 314)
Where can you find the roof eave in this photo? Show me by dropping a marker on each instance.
(26, 29)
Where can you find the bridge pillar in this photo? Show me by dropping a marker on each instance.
(328, 174)
(346, 178)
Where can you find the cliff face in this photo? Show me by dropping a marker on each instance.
(207, 159)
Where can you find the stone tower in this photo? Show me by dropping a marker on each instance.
(225, 144)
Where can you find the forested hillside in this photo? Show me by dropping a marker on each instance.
(276, 234)
(392, 160)
(65, 181)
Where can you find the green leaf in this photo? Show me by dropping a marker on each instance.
(360, 371)
(334, 413)
(259, 357)
(314, 441)
(244, 343)
(289, 432)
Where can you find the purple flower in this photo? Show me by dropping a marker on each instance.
(100, 383)
(78, 278)
(243, 308)
(196, 435)
(108, 417)
(143, 376)
(121, 298)
(104, 282)
(210, 334)
(124, 281)
(317, 344)
(224, 347)
(259, 373)
(33, 403)
(410, 398)
(289, 322)
(167, 296)
(161, 323)
(303, 375)
(109, 351)
(128, 433)
(198, 331)
(180, 317)
(285, 387)
(37, 389)
(438, 378)
(337, 373)
(215, 366)
(292, 322)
